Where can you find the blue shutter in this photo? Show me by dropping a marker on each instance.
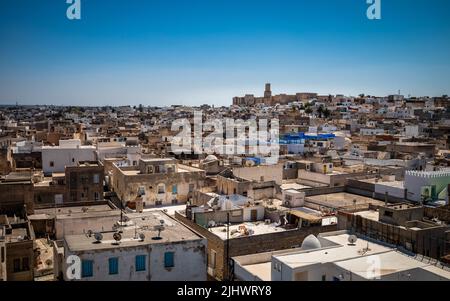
(140, 263)
(174, 189)
(87, 268)
(168, 259)
(113, 266)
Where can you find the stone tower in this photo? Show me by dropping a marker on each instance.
(267, 91)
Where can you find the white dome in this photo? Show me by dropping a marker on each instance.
(210, 158)
(311, 242)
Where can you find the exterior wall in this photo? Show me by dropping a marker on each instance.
(247, 213)
(80, 184)
(229, 186)
(15, 195)
(397, 192)
(189, 262)
(415, 180)
(127, 187)
(432, 242)
(50, 194)
(19, 250)
(400, 216)
(62, 157)
(371, 131)
(261, 173)
(260, 192)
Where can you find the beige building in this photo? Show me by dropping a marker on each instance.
(156, 182)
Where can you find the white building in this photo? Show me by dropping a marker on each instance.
(68, 153)
(334, 257)
(370, 131)
(141, 254)
(427, 185)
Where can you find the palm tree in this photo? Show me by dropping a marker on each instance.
(320, 111)
(308, 110)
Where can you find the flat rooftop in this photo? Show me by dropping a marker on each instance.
(256, 228)
(342, 200)
(295, 186)
(137, 223)
(342, 252)
(76, 211)
(369, 214)
(390, 262)
(398, 184)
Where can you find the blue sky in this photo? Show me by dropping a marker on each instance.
(163, 52)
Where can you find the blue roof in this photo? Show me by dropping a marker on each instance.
(300, 137)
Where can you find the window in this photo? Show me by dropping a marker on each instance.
(140, 263)
(2, 258)
(324, 277)
(87, 268)
(168, 260)
(161, 188)
(141, 191)
(96, 196)
(96, 179)
(52, 164)
(388, 213)
(191, 187)
(16, 265)
(113, 266)
(25, 264)
(73, 160)
(174, 189)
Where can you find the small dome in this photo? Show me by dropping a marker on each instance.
(311, 242)
(210, 158)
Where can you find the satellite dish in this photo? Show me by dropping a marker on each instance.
(98, 237)
(117, 237)
(141, 236)
(352, 239)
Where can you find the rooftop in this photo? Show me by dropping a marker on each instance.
(137, 223)
(342, 200)
(254, 228)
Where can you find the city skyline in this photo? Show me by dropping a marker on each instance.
(159, 54)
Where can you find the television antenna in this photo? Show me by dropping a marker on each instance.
(159, 228)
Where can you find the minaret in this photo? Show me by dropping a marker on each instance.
(267, 92)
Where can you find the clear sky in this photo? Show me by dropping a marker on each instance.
(163, 52)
